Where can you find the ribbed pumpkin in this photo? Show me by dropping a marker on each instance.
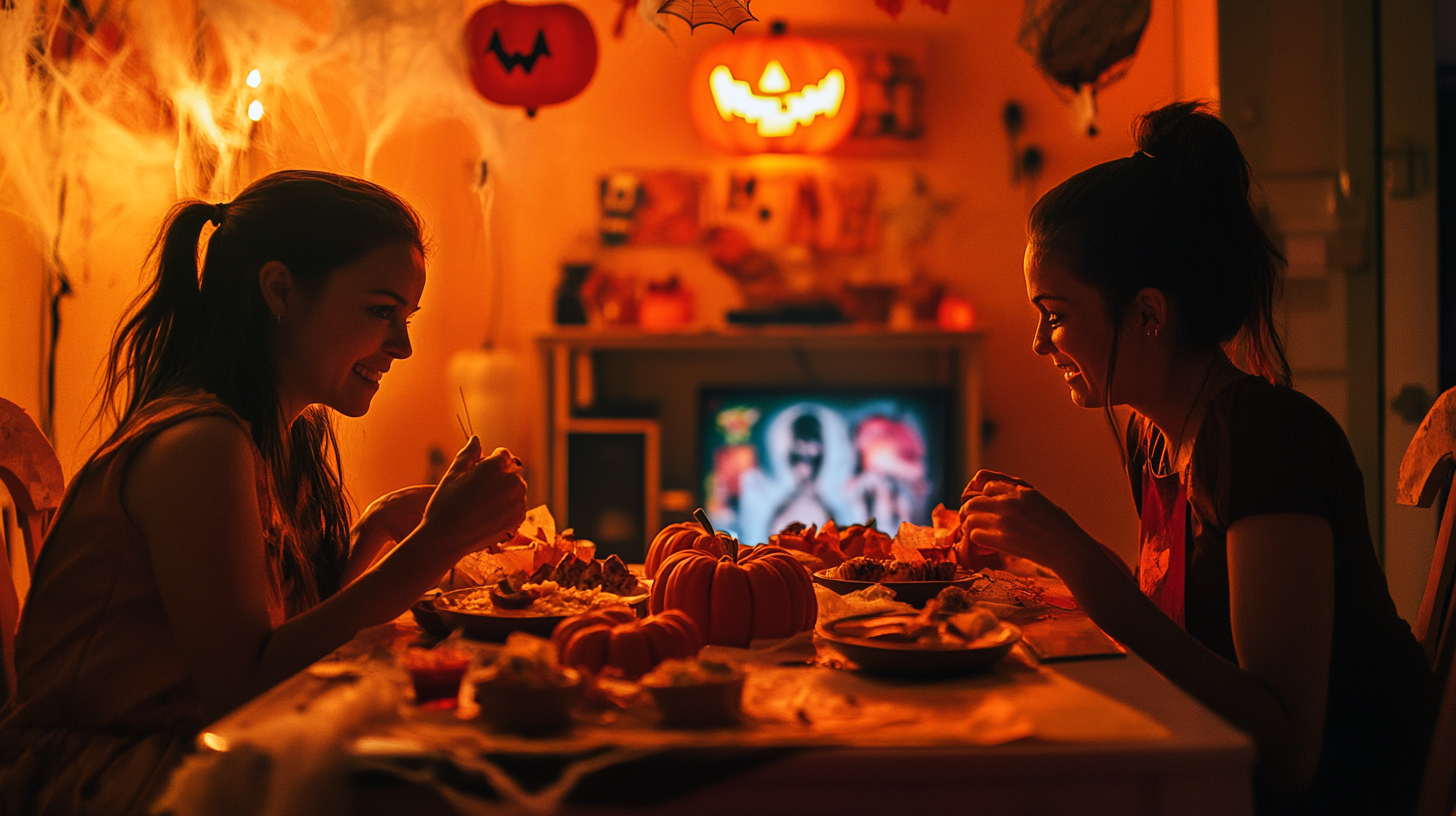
(751, 593)
(674, 538)
(615, 637)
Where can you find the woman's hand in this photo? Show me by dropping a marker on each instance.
(387, 520)
(480, 500)
(1004, 513)
(394, 515)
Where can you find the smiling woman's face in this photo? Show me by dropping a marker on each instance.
(335, 344)
(1072, 327)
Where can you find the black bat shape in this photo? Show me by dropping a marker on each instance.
(526, 61)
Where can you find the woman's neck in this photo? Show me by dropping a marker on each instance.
(1177, 408)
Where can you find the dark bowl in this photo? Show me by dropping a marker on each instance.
(429, 619)
(699, 705)
(895, 659)
(915, 593)
(530, 711)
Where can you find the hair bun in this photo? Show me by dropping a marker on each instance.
(1195, 145)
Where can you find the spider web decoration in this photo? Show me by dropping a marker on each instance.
(1083, 45)
(727, 13)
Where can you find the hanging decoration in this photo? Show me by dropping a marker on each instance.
(531, 55)
(894, 7)
(729, 14)
(1083, 46)
(775, 94)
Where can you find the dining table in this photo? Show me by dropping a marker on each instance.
(1068, 722)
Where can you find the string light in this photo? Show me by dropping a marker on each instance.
(255, 78)
(255, 110)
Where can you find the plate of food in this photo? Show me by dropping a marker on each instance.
(929, 644)
(913, 583)
(492, 613)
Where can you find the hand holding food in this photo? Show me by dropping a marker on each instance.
(480, 499)
(1003, 513)
(394, 515)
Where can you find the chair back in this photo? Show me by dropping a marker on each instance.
(32, 475)
(1425, 479)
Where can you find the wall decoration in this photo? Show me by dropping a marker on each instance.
(531, 55)
(729, 14)
(1083, 46)
(891, 119)
(620, 196)
(775, 94)
(671, 208)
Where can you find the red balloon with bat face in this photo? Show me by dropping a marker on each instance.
(530, 55)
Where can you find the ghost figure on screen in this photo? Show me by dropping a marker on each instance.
(889, 484)
(809, 455)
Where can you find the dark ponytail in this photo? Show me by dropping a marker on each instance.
(1176, 217)
(210, 331)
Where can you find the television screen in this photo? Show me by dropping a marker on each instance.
(774, 457)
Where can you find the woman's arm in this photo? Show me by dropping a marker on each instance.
(1281, 594)
(191, 492)
(387, 520)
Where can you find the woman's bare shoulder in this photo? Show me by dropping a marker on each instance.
(199, 459)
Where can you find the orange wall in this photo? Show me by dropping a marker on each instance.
(634, 115)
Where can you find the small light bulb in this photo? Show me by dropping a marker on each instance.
(254, 78)
(255, 110)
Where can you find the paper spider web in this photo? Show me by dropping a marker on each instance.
(727, 13)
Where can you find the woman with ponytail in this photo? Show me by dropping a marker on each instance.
(1257, 588)
(205, 552)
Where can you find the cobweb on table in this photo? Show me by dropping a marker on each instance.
(727, 13)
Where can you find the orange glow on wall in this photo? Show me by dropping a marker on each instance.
(777, 94)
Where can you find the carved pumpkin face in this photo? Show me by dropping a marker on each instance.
(530, 55)
(777, 94)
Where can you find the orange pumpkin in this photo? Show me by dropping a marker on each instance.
(751, 593)
(776, 94)
(674, 538)
(530, 55)
(615, 637)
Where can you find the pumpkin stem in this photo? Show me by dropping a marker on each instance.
(702, 519)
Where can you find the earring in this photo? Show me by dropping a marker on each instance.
(1153, 333)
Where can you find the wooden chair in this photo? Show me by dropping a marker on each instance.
(1425, 479)
(32, 475)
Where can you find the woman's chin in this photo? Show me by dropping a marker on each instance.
(1083, 399)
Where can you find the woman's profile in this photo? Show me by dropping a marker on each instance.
(1257, 588)
(205, 551)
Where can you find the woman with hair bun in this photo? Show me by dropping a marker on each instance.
(205, 552)
(1257, 589)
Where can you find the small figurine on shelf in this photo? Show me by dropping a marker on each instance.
(666, 307)
(570, 308)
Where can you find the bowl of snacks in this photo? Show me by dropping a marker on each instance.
(436, 675)
(951, 636)
(914, 584)
(428, 617)
(492, 613)
(526, 691)
(696, 693)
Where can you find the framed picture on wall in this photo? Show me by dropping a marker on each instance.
(892, 98)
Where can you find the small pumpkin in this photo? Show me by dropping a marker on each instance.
(688, 535)
(750, 593)
(615, 637)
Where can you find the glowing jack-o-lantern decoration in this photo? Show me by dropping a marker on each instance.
(776, 94)
(530, 55)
